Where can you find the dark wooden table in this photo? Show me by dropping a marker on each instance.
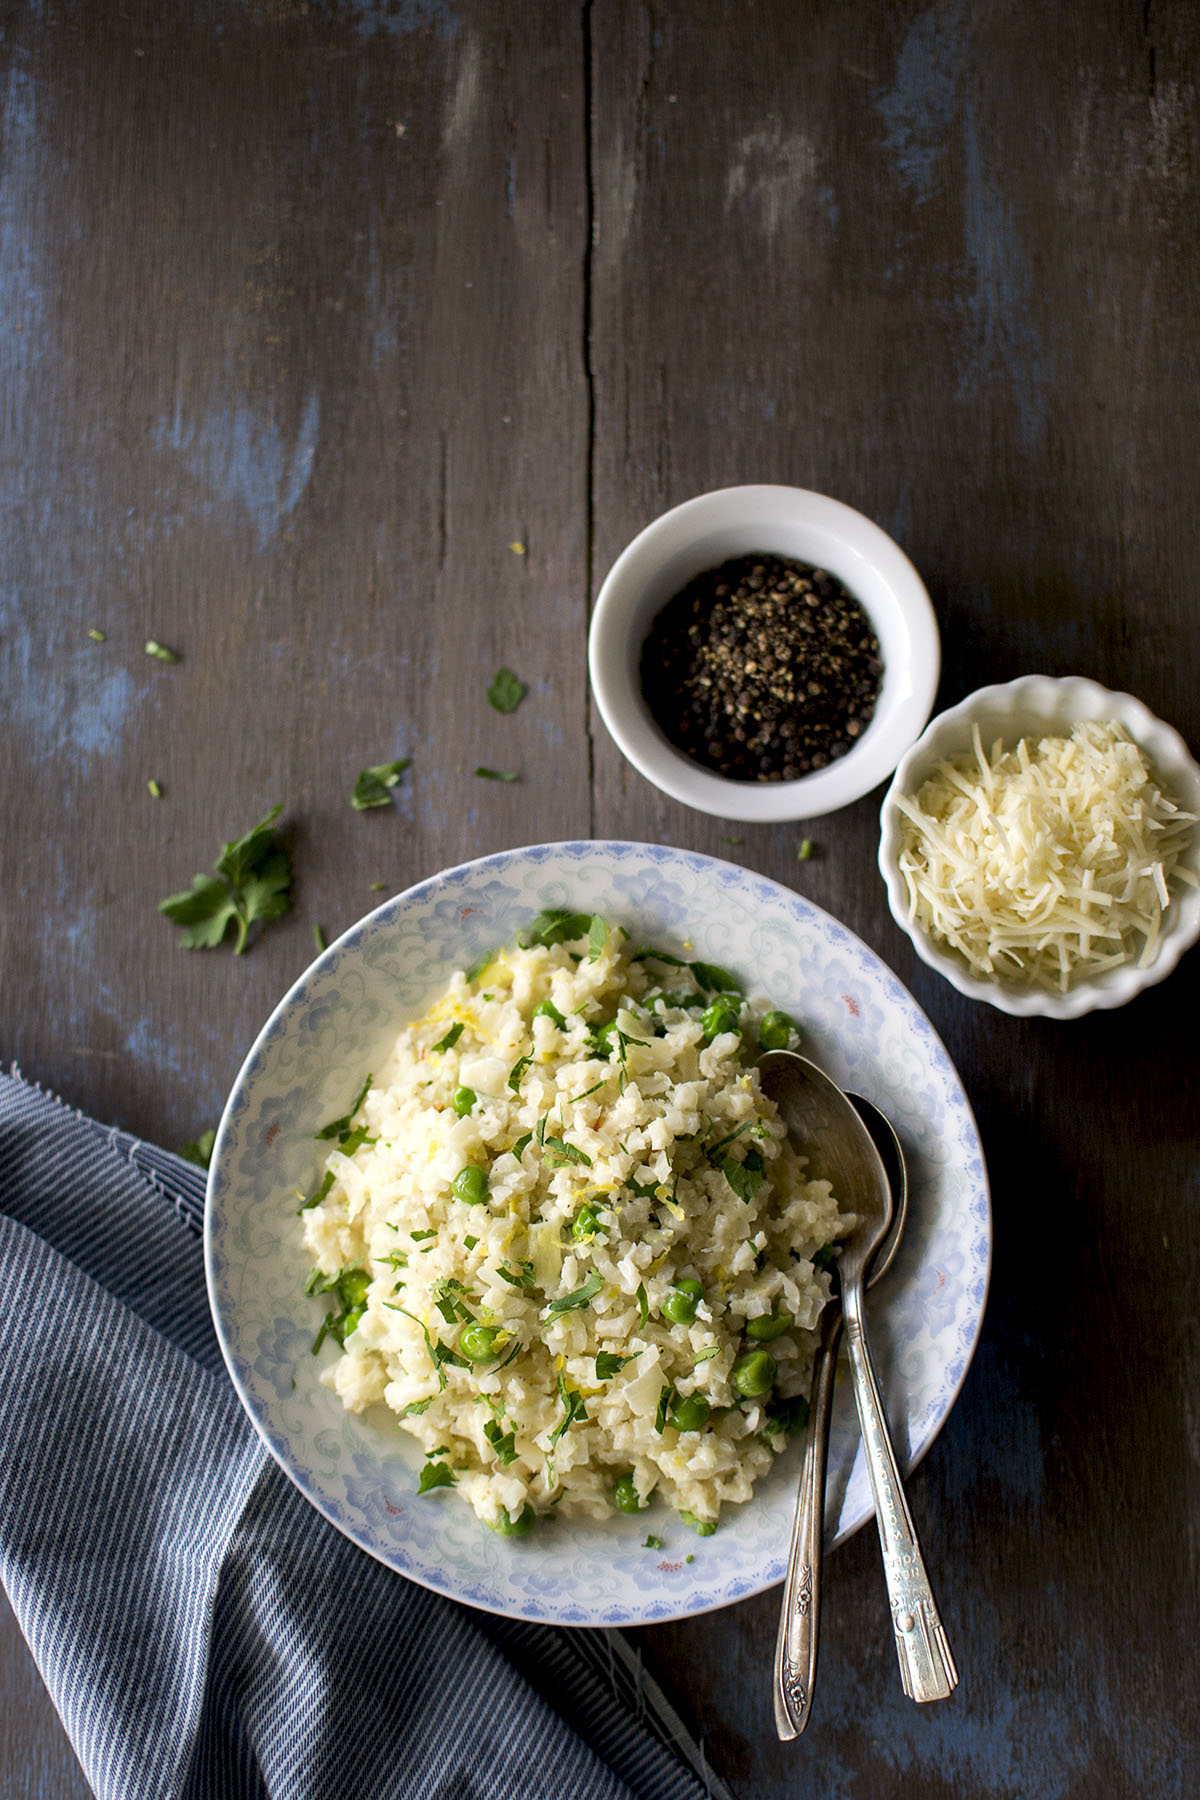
(343, 347)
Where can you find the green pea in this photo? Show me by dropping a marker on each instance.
(690, 1414)
(471, 1185)
(478, 1343)
(702, 1527)
(585, 1225)
(681, 1303)
(506, 1526)
(352, 1288)
(548, 1010)
(625, 1495)
(719, 1017)
(464, 1099)
(752, 1375)
(775, 1032)
(767, 1327)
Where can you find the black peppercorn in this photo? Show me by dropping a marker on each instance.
(762, 670)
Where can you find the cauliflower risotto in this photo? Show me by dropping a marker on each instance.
(566, 1239)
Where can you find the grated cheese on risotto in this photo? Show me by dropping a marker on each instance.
(1047, 863)
(566, 1240)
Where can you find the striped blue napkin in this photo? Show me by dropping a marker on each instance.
(202, 1630)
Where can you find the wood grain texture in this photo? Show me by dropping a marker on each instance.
(308, 314)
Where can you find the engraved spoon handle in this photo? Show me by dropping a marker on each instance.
(927, 1667)
(800, 1612)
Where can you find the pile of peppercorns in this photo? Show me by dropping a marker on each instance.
(762, 670)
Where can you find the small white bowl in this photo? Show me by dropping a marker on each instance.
(774, 521)
(1037, 706)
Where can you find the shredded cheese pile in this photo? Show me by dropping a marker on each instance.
(1045, 864)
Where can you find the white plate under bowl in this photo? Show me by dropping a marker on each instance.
(1040, 706)
(338, 1021)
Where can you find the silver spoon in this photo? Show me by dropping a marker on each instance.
(818, 1112)
(800, 1611)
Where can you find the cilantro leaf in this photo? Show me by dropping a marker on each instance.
(436, 1475)
(506, 691)
(497, 774)
(340, 1128)
(252, 881)
(788, 1416)
(608, 1364)
(573, 1410)
(502, 1442)
(714, 978)
(745, 1178)
(199, 1150)
(581, 1297)
(555, 926)
(374, 785)
(565, 1153)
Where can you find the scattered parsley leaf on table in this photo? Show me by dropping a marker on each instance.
(199, 1150)
(497, 774)
(252, 881)
(506, 691)
(160, 653)
(374, 785)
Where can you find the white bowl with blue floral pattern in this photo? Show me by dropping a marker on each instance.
(338, 1021)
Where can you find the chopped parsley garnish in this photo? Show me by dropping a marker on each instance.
(160, 653)
(788, 1416)
(522, 1144)
(497, 774)
(449, 1296)
(555, 926)
(517, 1071)
(502, 1442)
(415, 1407)
(702, 1527)
(321, 1193)
(469, 1243)
(710, 1150)
(652, 1543)
(374, 785)
(564, 1153)
(573, 1409)
(505, 691)
(647, 954)
(825, 1258)
(349, 1288)
(597, 937)
(252, 882)
(199, 1150)
(643, 1303)
(713, 978)
(451, 1038)
(581, 1297)
(341, 1128)
(707, 1355)
(608, 1364)
(745, 1178)
(520, 1277)
(666, 1395)
(436, 1475)
(418, 1237)
(476, 969)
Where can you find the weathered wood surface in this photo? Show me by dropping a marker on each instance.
(308, 314)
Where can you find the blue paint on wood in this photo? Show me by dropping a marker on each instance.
(71, 703)
(243, 458)
(399, 18)
(921, 105)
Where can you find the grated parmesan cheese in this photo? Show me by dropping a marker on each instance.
(1048, 863)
